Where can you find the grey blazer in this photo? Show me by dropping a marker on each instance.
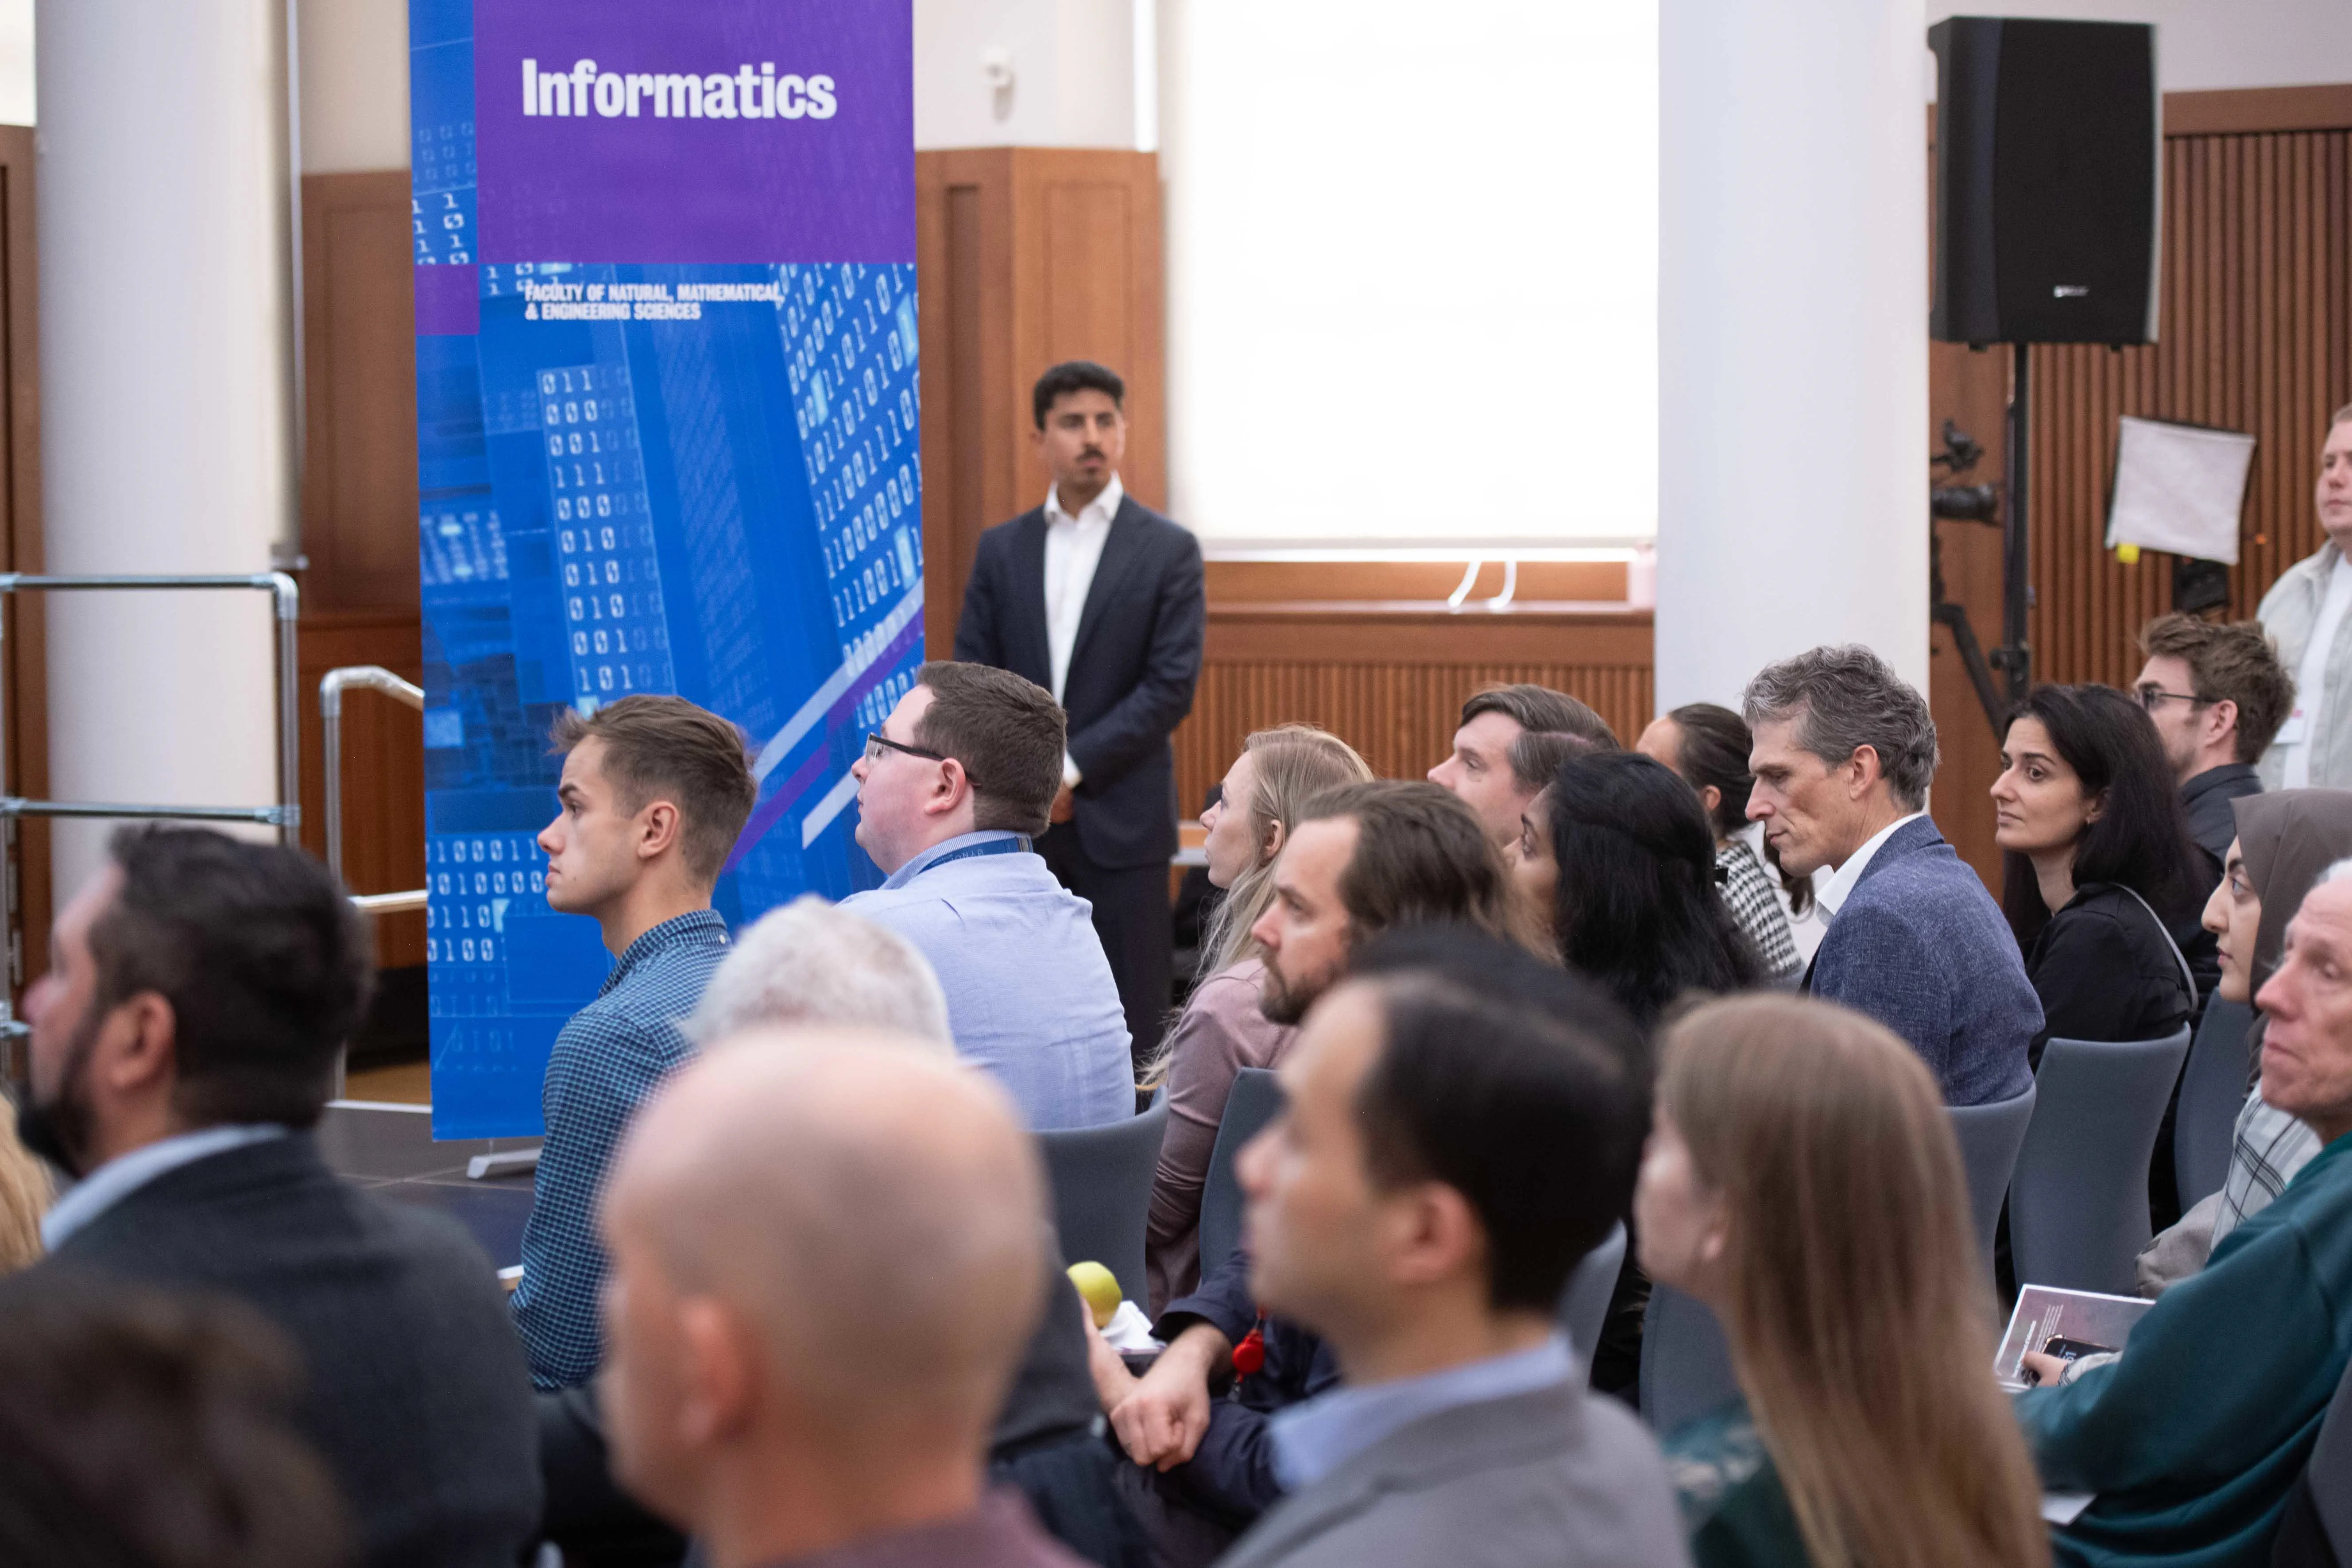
(1555, 1478)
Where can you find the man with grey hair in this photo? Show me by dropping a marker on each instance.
(807, 967)
(825, 1263)
(812, 963)
(1844, 751)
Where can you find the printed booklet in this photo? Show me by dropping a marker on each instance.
(2068, 1324)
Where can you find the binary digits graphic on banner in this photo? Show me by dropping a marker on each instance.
(667, 412)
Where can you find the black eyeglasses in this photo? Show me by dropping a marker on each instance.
(2155, 697)
(877, 744)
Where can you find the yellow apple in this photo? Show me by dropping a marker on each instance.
(1100, 1287)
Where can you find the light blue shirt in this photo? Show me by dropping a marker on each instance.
(1030, 994)
(126, 1174)
(1313, 1439)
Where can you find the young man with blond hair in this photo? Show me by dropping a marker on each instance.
(653, 792)
(2308, 612)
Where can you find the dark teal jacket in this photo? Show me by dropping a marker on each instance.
(2193, 1438)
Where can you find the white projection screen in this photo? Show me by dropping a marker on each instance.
(1413, 259)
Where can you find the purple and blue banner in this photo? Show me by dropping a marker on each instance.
(666, 441)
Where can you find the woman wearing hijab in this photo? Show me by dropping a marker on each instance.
(2286, 839)
(2192, 1439)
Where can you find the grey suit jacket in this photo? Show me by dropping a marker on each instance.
(1555, 1478)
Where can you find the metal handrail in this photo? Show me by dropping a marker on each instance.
(332, 687)
(285, 816)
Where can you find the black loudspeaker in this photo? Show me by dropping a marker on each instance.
(2048, 158)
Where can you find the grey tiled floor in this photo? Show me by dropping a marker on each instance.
(392, 1151)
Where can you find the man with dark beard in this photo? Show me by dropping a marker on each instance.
(184, 1042)
(1366, 858)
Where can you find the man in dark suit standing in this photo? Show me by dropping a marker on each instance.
(1098, 599)
(184, 1042)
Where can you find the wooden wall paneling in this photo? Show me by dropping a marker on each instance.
(384, 766)
(358, 316)
(1026, 256)
(25, 668)
(1392, 683)
(2254, 334)
(359, 531)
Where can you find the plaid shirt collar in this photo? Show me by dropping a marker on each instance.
(696, 928)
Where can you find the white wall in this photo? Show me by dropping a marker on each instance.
(1411, 271)
(1073, 73)
(2206, 44)
(354, 64)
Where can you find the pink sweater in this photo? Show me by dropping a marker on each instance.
(1221, 1032)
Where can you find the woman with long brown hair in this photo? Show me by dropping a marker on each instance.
(1221, 1030)
(25, 1197)
(1803, 1180)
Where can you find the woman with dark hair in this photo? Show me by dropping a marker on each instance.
(2100, 869)
(1708, 746)
(1616, 855)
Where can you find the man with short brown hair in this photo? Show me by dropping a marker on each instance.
(654, 793)
(2218, 694)
(952, 790)
(1483, 768)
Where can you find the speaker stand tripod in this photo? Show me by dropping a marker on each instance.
(1989, 505)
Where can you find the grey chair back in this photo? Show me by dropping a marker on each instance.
(1255, 1100)
(1584, 1305)
(1989, 1137)
(1686, 1360)
(2078, 1198)
(1101, 1178)
(2329, 1477)
(2213, 1091)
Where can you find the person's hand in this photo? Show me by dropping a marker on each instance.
(1161, 1423)
(2042, 1370)
(1062, 808)
(1113, 1382)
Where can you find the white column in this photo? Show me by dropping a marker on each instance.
(165, 388)
(1792, 330)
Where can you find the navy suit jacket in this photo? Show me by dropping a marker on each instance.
(414, 1391)
(1132, 669)
(1920, 946)
(1230, 1476)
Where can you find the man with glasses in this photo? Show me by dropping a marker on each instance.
(951, 793)
(2218, 694)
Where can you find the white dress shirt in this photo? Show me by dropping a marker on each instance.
(1074, 547)
(2311, 693)
(1831, 895)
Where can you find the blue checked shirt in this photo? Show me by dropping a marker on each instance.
(608, 1060)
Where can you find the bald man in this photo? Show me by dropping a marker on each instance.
(825, 1252)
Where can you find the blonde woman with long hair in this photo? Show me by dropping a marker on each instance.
(1222, 1030)
(25, 1196)
(1803, 1180)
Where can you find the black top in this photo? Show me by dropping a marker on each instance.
(415, 1390)
(2207, 799)
(1132, 669)
(2105, 971)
